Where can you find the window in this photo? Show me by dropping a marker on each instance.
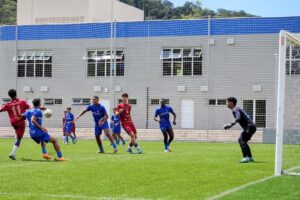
(5, 100)
(157, 101)
(53, 101)
(101, 62)
(132, 101)
(221, 102)
(181, 61)
(212, 102)
(257, 111)
(293, 60)
(34, 63)
(81, 101)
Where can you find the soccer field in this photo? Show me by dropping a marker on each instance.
(191, 171)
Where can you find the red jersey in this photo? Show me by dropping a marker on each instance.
(15, 108)
(125, 116)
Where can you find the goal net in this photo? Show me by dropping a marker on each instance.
(288, 105)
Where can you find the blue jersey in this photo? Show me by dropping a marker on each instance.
(164, 116)
(69, 117)
(116, 122)
(37, 113)
(98, 111)
(242, 117)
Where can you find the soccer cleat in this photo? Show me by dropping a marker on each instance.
(166, 151)
(100, 151)
(116, 150)
(251, 159)
(11, 156)
(245, 160)
(130, 151)
(46, 156)
(59, 159)
(140, 151)
(74, 141)
(124, 143)
(66, 143)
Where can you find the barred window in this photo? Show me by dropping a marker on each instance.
(181, 61)
(81, 101)
(34, 63)
(257, 111)
(293, 60)
(101, 62)
(50, 101)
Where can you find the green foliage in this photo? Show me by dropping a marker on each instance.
(8, 9)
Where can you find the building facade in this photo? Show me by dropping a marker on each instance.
(195, 64)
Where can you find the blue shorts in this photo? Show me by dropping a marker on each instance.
(164, 126)
(68, 127)
(117, 130)
(98, 129)
(39, 136)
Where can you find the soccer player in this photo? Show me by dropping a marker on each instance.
(39, 133)
(15, 108)
(124, 111)
(63, 127)
(246, 123)
(100, 117)
(116, 127)
(68, 126)
(164, 123)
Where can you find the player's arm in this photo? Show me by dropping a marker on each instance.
(103, 120)
(155, 117)
(2, 108)
(34, 121)
(80, 114)
(119, 111)
(237, 115)
(174, 115)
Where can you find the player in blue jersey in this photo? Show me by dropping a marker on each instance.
(100, 118)
(116, 127)
(68, 126)
(246, 123)
(39, 133)
(164, 123)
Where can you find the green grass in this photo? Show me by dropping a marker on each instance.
(191, 171)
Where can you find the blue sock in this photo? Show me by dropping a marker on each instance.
(166, 147)
(73, 138)
(67, 139)
(123, 141)
(59, 154)
(114, 145)
(101, 148)
(136, 145)
(44, 150)
(17, 143)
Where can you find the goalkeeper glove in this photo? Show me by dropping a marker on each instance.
(227, 126)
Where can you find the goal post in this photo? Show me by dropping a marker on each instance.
(287, 126)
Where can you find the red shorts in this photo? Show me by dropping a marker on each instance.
(19, 128)
(129, 128)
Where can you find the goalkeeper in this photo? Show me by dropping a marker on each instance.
(246, 123)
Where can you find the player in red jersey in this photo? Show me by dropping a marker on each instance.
(124, 111)
(15, 108)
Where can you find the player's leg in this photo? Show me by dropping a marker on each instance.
(44, 151)
(111, 139)
(250, 132)
(165, 134)
(131, 131)
(243, 139)
(54, 141)
(98, 132)
(114, 135)
(20, 130)
(69, 133)
(121, 138)
(171, 137)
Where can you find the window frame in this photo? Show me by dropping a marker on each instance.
(290, 60)
(254, 111)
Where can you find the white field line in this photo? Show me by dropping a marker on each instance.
(67, 196)
(230, 191)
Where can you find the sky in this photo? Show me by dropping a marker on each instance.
(264, 8)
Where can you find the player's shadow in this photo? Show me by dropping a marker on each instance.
(31, 160)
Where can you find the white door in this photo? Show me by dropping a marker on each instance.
(106, 104)
(187, 113)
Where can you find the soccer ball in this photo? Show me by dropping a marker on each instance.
(48, 113)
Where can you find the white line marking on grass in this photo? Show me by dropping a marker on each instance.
(67, 196)
(230, 191)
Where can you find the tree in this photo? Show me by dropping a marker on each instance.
(8, 9)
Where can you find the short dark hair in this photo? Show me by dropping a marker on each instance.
(12, 93)
(36, 102)
(125, 95)
(232, 99)
(96, 97)
(69, 108)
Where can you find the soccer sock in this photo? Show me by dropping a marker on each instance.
(44, 150)
(116, 139)
(165, 140)
(67, 139)
(248, 151)
(114, 145)
(73, 138)
(101, 147)
(123, 141)
(14, 151)
(59, 154)
(170, 141)
(17, 143)
(137, 146)
(130, 146)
